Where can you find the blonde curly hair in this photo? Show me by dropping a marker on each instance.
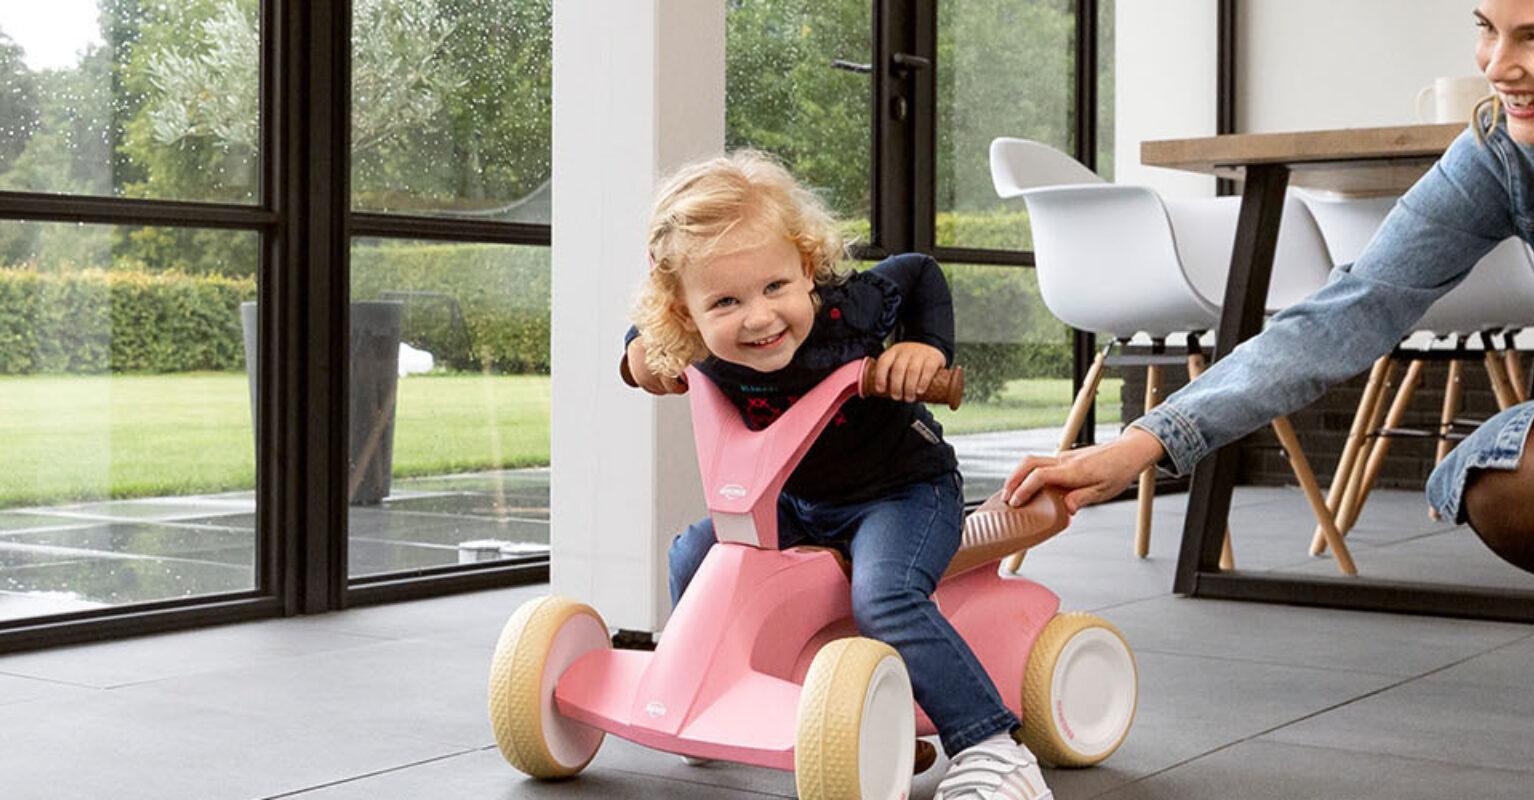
(696, 212)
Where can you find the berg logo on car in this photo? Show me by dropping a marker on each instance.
(732, 491)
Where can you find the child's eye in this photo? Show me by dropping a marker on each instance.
(776, 285)
(724, 302)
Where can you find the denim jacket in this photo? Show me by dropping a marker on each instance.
(1475, 196)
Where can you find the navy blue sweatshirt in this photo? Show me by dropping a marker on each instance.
(872, 446)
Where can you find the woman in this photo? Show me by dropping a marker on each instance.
(1479, 193)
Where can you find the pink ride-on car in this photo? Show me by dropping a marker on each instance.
(761, 663)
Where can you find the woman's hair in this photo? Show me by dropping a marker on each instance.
(1484, 119)
(696, 212)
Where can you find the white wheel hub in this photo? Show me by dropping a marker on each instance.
(886, 746)
(1093, 692)
(569, 742)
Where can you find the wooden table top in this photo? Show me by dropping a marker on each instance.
(1355, 161)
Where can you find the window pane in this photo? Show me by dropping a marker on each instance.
(124, 420)
(153, 100)
(782, 95)
(1004, 69)
(1105, 62)
(1017, 376)
(451, 108)
(450, 404)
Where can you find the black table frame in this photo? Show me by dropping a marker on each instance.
(1198, 571)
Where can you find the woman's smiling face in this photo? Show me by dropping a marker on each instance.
(1505, 53)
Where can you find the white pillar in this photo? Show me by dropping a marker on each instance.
(638, 92)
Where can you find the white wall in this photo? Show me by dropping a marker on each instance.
(1301, 65)
(638, 92)
(1164, 72)
(1317, 64)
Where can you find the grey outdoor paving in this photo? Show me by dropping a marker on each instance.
(1238, 700)
(76, 556)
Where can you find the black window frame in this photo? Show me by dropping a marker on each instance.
(904, 152)
(303, 217)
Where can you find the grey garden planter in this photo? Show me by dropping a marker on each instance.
(374, 378)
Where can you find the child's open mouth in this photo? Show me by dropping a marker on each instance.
(770, 341)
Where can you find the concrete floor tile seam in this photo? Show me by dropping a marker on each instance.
(376, 773)
(81, 516)
(107, 555)
(358, 650)
(703, 784)
(41, 679)
(1437, 762)
(1284, 664)
(422, 545)
(456, 518)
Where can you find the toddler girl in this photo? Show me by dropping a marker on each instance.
(743, 284)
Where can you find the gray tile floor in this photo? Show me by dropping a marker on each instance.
(1237, 700)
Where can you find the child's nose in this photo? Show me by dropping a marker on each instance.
(758, 315)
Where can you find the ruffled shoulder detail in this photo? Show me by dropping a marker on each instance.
(870, 304)
(854, 320)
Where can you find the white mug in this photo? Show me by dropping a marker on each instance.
(1451, 99)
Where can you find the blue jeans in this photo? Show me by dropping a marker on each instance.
(1476, 196)
(899, 546)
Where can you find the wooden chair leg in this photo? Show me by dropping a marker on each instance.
(1349, 513)
(1073, 423)
(1496, 369)
(1515, 374)
(1453, 390)
(1196, 364)
(1302, 472)
(1083, 402)
(1148, 477)
(1356, 451)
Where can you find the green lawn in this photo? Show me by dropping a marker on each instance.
(1027, 403)
(82, 437)
(88, 437)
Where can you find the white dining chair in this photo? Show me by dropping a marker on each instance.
(1118, 260)
(1497, 295)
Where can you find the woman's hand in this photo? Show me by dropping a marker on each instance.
(1089, 475)
(647, 380)
(906, 368)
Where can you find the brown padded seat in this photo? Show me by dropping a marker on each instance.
(996, 530)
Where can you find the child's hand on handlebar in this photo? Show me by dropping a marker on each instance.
(1086, 476)
(905, 369)
(647, 380)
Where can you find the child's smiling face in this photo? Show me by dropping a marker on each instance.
(752, 305)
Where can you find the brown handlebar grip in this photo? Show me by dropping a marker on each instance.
(946, 387)
(625, 373)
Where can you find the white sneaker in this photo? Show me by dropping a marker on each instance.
(995, 769)
(694, 761)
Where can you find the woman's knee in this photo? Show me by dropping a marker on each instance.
(1499, 504)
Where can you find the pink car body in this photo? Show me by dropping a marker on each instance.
(724, 680)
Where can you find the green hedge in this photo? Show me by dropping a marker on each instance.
(472, 306)
(120, 321)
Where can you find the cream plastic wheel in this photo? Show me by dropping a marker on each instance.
(1079, 691)
(544, 637)
(857, 724)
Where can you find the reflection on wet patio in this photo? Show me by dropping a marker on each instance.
(63, 558)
